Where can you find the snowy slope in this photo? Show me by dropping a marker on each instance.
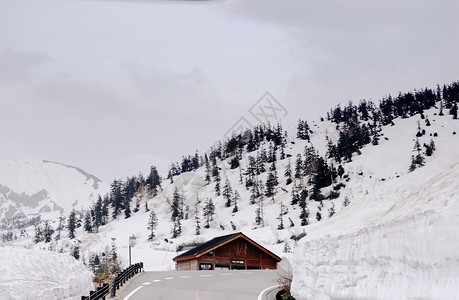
(395, 240)
(34, 274)
(30, 187)
(399, 237)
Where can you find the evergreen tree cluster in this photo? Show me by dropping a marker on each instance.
(232, 148)
(122, 193)
(360, 124)
(303, 130)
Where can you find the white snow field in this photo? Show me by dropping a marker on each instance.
(36, 274)
(399, 238)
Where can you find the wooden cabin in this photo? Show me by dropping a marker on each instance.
(234, 252)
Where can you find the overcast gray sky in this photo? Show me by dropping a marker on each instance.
(116, 86)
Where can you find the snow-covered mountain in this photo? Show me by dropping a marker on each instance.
(387, 232)
(37, 187)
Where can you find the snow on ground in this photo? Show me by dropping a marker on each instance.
(34, 274)
(399, 237)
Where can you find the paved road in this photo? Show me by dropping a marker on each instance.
(199, 285)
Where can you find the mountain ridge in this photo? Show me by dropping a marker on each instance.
(31, 187)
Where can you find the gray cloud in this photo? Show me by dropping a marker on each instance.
(357, 49)
(19, 67)
(114, 86)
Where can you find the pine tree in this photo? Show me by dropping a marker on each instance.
(295, 195)
(304, 215)
(195, 161)
(60, 227)
(176, 199)
(234, 163)
(153, 180)
(260, 165)
(227, 193)
(299, 166)
(282, 153)
(259, 213)
(127, 208)
(340, 171)
(78, 220)
(272, 168)
(76, 252)
(208, 169)
(177, 228)
(255, 192)
(217, 184)
(281, 217)
(71, 225)
(152, 224)
(331, 210)
(105, 212)
(87, 222)
(209, 210)
(116, 198)
(271, 154)
(300, 129)
(98, 213)
(419, 132)
(318, 216)
(251, 172)
(286, 248)
(346, 202)
(375, 140)
(271, 183)
(233, 226)
(38, 234)
(187, 211)
(236, 198)
(197, 219)
(288, 173)
(432, 145)
(453, 110)
(417, 160)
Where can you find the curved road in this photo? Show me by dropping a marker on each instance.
(199, 285)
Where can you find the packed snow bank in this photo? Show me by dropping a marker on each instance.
(401, 241)
(34, 274)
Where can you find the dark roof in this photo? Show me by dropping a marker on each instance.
(213, 243)
(207, 245)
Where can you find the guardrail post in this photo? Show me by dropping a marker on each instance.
(116, 282)
(105, 287)
(113, 287)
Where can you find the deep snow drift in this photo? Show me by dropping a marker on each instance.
(398, 239)
(35, 274)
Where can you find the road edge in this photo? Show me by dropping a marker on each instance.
(264, 293)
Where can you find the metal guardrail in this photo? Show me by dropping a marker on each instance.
(117, 282)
